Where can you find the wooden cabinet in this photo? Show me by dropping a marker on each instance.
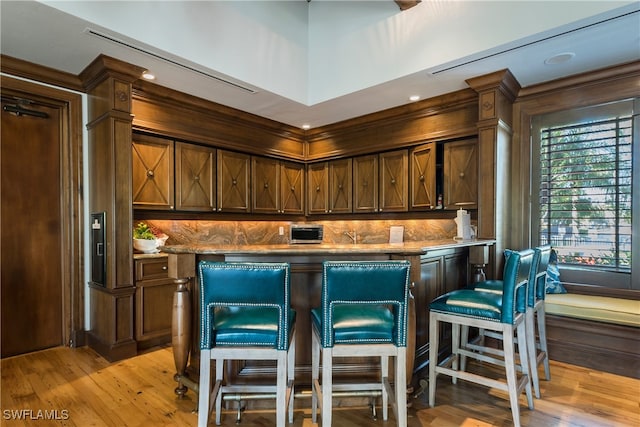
(394, 181)
(461, 174)
(277, 186)
(423, 177)
(441, 271)
(233, 179)
(329, 187)
(195, 168)
(152, 173)
(365, 183)
(153, 302)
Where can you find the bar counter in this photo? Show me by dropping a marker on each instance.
(306, 271)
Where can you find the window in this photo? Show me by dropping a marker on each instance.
(585, 185)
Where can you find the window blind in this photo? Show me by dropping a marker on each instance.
(585, 192)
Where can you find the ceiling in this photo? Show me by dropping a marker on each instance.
(321, 62)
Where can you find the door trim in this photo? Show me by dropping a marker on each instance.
(72, 244)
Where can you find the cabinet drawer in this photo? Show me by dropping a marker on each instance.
(153, 268)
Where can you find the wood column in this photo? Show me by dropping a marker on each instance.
(497, 92)
(108, 83)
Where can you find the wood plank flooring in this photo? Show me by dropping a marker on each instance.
(76, 387)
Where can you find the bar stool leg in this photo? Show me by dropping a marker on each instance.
(531, 349)
(219, 375)
(512, 381)
(315, 374)
(542, 334)
(434, 331)
(204, 393)
(401, 387)
(384, 375)
(327, 386)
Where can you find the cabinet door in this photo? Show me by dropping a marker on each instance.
(265, 194)
(365, 183)
(426, 290)
(233, 181)
(423, 177)
(393, 181)
(340, 186)
(152, 172)
(461, 174)
(318, 188)
(154, 302)
(292, 185)
(195, 177)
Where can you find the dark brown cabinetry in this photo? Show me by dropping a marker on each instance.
(461, 174)
(277, 186)
(195, 168)
(153, 302)
(152, 173)
(329, 187)
(394, 181)
(365, 183)
(233, 181)
(441, 271)
(423, 177)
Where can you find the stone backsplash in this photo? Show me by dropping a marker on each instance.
(267, 232)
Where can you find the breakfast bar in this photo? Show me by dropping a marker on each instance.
(436, 266)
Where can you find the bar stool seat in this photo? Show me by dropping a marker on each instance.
(363, 313)
(245, 315)
(503, 313)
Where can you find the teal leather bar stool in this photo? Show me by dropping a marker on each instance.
(536, 342)
(245, 314)
(503, 313)
(364, 307)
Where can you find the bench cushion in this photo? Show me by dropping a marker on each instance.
(590, 307)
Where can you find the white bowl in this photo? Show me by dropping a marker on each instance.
(144, 245)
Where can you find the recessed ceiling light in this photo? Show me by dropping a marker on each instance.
(306, 127)
(559, 58)
(147, 75)
(414, 98)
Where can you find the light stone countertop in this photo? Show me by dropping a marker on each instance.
(406, 248)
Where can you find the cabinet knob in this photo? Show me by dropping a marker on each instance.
(365, 184)
(234, 182)
(421, 178)
(393, 180)
(266, 185)
(164, 267)
(339, 186)
(196, 178)
(461, 174)
(150, 173)
(318, 188)
(293, 188)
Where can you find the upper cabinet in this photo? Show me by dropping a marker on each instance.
(277, 186)
(461, 174)
(152, 173)
(329, 187)
(365, 183)
(233, 181)
(394, 178)
(423, 177)
(195, 170)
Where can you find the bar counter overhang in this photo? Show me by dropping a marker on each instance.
(306, 269)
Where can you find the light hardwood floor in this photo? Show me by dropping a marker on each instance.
(80, 388)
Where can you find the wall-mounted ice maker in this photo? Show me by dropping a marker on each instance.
(98, 247)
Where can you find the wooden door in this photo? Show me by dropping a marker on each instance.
(195, 177)
(423, 177)
(393, 181)
(292, 186)
(265, 192)
(318, 188)
(365, 183)
(233, 181)
(461, 174)
(31, 227)
(152, 172)
(340, 186)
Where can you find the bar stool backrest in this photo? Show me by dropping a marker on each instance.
(539, 281)
(243, 284)
(515, 280)
(366, 282)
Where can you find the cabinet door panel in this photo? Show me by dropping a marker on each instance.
(233, 181)
(265, 192)
(292, 178)
(318, 188)
(365, 183)
(340, 185)
(152, 172)
(461, 174)
(393, 181)
(195, 175)
(423, 177)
